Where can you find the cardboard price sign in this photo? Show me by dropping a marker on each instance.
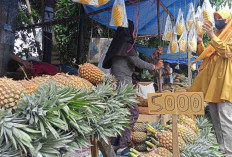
(189, 103)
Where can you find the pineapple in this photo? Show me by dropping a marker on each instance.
(11, 92)
(165, 139)
(138, 137)
(91, 73)
(163, 152)
(85, 2)
(139, 127)
(81, 83)
(207, 17)
(118, 15)
(190, 23)
(102, 2)
(199, 28)
(183, 46)
(30, 86)
(140, 147)
(188, 122)
(180, 29)
(173, 46)
(188, 135)
(168, 35)
(41, 80)
(193, 46)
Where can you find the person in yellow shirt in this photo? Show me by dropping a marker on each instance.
(215, 77)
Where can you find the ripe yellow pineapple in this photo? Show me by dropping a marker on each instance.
(173, 46)
(188, 122)
(180, 29)
(102, 2)
(30, 86)
(91, 73)
(41, 80)
(11, 92)
(85, 2)
(165, 139)
(163, 152)
(199, 28)
(190, 23)
(138, 137)
(81, 83)
(187, 134)
(183, 46)
(207, 17)
(168, 35)
(193, 46)
(118, 15)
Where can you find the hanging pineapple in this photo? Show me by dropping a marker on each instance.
(199, 28)
(190, 16)
(183, 46)
(173, 46)
(180, 23)
(102, 2)
(168, 29)
(118, 15)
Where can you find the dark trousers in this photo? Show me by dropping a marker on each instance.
(125, 140)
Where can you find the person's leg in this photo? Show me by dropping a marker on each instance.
(214, 113)
(225, 116)
(125, 139)
(68, 69)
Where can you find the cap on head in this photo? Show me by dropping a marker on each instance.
(224, 14)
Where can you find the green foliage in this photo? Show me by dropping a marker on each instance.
(221, 3)
(55, 120)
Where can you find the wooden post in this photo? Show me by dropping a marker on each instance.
(94, 148)
(159, 37)
(189, 70)
(175, 145)
(8, 14)
(80, 37)
(107, 150)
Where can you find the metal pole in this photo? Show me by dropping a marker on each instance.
(80, 36)
(159, 43)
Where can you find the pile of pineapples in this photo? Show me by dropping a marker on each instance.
(11, 92)
(196, 138)
(50, 115)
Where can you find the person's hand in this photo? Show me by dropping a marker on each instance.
(159, 50)
(209, 29)
(159, 65)
(199, 39)
(27, 65)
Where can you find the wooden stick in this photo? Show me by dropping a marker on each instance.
(175, 144)
(94, 148)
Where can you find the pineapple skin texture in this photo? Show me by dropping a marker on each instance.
(118, 15)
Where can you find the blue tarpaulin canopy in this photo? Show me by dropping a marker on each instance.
(147, 19)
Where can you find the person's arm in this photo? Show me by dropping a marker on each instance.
(223, 49)
(26, 64)
(136, 61)
(200, 48)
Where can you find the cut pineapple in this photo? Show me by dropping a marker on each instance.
(183, 46)
(180, 29)
(173, 46)
(207, 17)
(199, 28)
(118, 15)
(168, 35)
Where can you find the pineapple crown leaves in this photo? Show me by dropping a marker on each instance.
(7, 150)
(14, 131)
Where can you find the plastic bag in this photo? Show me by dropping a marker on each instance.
(173, 45)
(180, 25)
(168, 29)
(88, 2)
(119, 16)
(199, 22)
(190, 16)
(102, 2)
(192, 40)
(207, 12)
(183, 42)
(144, 89)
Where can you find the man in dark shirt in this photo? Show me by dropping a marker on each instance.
(154, 59)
